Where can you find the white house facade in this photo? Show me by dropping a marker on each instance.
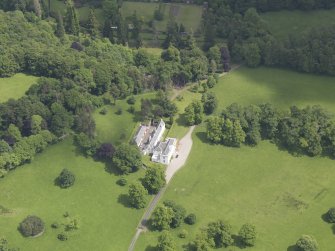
(164, 151)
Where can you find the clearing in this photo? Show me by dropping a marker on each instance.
(15, 86)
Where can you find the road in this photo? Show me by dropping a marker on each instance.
(184, 149)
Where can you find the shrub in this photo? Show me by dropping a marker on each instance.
(119, 111)
(178, 213)
(55, 225)
(183, 234)
(331, 215)
(31, 226)
(122, 182)
(191, 219)
(62, 237)
(131, 100)
(65, 179)
(132, 109)
(103, 111)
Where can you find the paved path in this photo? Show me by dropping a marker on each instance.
(184, 149)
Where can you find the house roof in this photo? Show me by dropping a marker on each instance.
(140, 134)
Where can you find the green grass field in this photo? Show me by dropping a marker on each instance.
(105, 224)
(119, 128)
(16, 86)
(188, 15)
(283, 23)
(284, 196)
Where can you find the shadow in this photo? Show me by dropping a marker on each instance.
(188, 247)
(333, 228)
(324, 217)
(111, 169)
(203, 137)
(238, 242)
(292, 248)
(124, 200)
(181, 120)
(150, 248)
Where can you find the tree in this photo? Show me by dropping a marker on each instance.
(214, 53)
(210, 103)
(60, 30)
(214, 129)
(71, 19)
(105, 151)
(154, 179)
(232, 133)
(137, 195)
(36, 122)
(165, 242)
(93, 24)
(202, 242)
(14, 133)
(65, 179)
(178, 213)
(307, 243)
(162, 217)
(127, 158)
(211, 81)
(252, 54)
(247, 234)
(331, 215)
(193, 113)
(191, 219)
(31, 226)
(221, 233)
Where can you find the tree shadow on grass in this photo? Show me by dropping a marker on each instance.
(124, 200)
(203, 137)
(150, 248)
(181, 120)
(238, 242)
(293, 248)
(333, 228)
(111, 169)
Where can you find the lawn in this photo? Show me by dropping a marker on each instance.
(119, 128)
(283, 23)
(282, 195)
(16, 86)
(105, 223)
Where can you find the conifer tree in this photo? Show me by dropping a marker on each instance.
(71, 19)
(93, 24)
(60, 31)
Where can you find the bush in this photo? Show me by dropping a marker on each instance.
(62, 237)
(247, 234)
(132, 109)
(331, 215)
(31, 226)
(191, 219)
(65, 179)
(55, 225)
(122, 182)
(119, 111)
(103, 111)
(131, 100)
(183, 234)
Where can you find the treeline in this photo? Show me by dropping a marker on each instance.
(310, 130)
(249, 41)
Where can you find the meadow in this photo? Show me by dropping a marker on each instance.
(15, 86)
(105, 220)
(284, 23)
(282, 195)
